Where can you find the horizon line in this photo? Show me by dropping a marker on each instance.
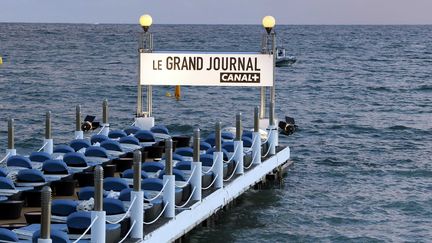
(284, 24)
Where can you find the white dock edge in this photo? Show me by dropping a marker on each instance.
(189, 219)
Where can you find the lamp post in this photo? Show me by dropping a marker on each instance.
(144, 120)
(268, 23)
(269, 46)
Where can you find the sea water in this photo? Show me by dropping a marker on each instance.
(361, 96)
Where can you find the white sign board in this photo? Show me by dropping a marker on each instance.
(206, 69)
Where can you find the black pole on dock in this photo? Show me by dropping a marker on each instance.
(137, 171)
(78, 118)
(11, 134)
(48, 131)
(239, 129)
(256, 119)
(196, 145)
(45, 231)
(169, 157)
(98, 184)
(105, 112)
(218, 136)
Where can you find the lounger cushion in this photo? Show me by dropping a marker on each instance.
(79, 220)
(113, 206)
(87, 192)
(98, 138)
(145, 136)
(6, 183)
(185, 151)
(206, 159)
(78, 144)
(205, 146)
(129, 174)
(247, 141)
(30, 175)
(39, 156)
(55, 167)
(63, 207)
(129, 140)
(152, 166)
(19, 161)
(114, 184)
(111, 145)
(75, 159)
(95, 151)
(183, 165)
(247, 133)
(152, 184)
(228, 146)
(179, 175)
(63, 148)
(3, 172)
(116, 134)
(160, 129)
(132, 130)
(225, 153)
(8, 235)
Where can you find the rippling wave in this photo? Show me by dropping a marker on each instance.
(361, 96)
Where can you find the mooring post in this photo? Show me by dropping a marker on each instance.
(48, 141)
(238, 145)
(272, 132)
(45, 226)
(79, 134)
(256, 138)
(196, 166)
(98, 228)
(11, 138)
(137, 211)
(218, 157)
(105, 123)
(169, 178)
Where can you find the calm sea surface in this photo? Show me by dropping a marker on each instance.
(361, 95)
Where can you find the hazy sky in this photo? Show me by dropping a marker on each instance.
(219, 11)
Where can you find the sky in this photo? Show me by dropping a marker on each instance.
(219, 11)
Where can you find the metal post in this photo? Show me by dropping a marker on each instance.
(256, 119)
(271, 114)
(48, 141)
(169, 157)
(196, 167)
(105, 122)
(79, 134)
(273, 88)
(238, 146)
(98, 233)
(218, 136)
(196, 145)
(263, 102)
(98, 184)
(256, 138)
(239, 128)
(11, 138)
(11, 134)
(45, 231)
(271, 131)
(169, 178)
(137, 211)
(273, 95)
(139, 93)
(218, 157)
(263, 93)
(144, 120)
